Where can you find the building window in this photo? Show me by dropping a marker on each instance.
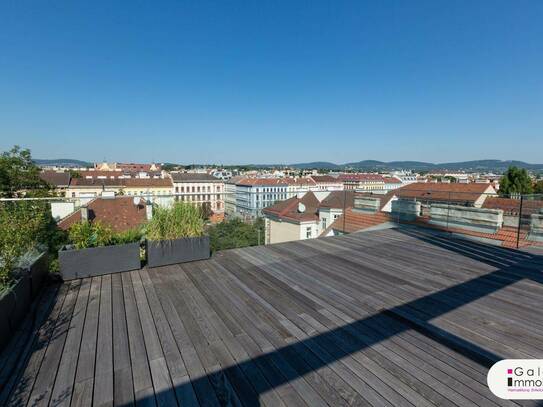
(308, 232)
(182, 189)
(323, 223)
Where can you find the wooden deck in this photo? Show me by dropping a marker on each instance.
(385, 318)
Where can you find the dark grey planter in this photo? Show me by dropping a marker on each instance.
(165, 252)
(15, 302)
(14, 305)
(96, 261)
(38, 273)
(7, 305)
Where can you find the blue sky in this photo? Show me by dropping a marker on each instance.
(273, 81)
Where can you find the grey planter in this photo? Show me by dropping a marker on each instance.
(165, 252)
(15, 302)
(14, 305)
(96, 261)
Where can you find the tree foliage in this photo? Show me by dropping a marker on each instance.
(235, 233)
(515, 181)
(538, 187)
(19, 175)
(25, 226)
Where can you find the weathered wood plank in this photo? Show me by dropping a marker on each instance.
(141, 372)
(41, 393)
(103, 379)
(84, 377)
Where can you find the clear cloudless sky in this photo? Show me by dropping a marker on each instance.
(273, 81)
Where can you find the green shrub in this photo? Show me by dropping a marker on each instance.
(89, 234)
(93, 234)
(178, 221)
(235, 233)
(24, 226)
(128, 236)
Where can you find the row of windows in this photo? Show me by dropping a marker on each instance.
(199, 202)
(271, 189)
(270, 197)
(196, 189)
(205, 197)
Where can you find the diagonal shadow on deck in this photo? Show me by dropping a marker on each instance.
(512, 266)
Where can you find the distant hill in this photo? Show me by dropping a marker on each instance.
(320, 165)
(63, 162)
(373, 165)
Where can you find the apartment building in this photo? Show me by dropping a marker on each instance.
(305, 215)
(199, 188)
(246, 197)
(392, 183)
(298, 185)
(130, 167)
(327, 183)
(158, 190)
(363, 182)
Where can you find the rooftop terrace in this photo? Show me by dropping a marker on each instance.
(395, 317)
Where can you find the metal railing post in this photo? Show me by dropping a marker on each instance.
(344, 207)
(519, 220)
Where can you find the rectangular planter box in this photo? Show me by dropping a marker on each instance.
(165, 252)
(14, 305)
(96, 261)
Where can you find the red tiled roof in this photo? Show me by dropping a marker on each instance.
(444, 191)
(338, 199)
(360, 177)
(122, 182)
(288, 209)
(354, 221)
(300, 181)
(262, 181)
(137, 166)
(120, 214)
(56, 178)
(392, 180)
(325, 179)
(512, 206)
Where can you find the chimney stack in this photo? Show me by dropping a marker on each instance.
(84, 213)
(149, 209)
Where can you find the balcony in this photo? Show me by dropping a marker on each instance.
(395, 317)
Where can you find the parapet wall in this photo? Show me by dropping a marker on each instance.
(476, 219)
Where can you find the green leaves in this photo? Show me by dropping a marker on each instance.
(178, 221)
(515, 181)
(236, 233)
(19, 175)
(23, 226)
(93, 234)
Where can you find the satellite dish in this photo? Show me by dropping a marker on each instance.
(301, 207)
(136, 200)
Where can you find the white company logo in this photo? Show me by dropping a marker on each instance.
(516, 379)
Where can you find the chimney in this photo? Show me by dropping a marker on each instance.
(84, 213)
(149, 209)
